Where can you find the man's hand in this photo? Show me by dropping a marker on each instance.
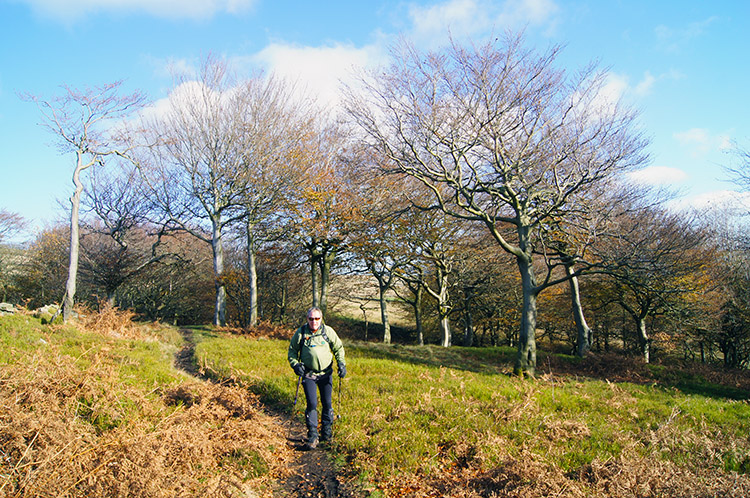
(342, 371)
(299, 369)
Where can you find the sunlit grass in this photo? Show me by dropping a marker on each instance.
(101, 410)
(420, 410)
(406, 413)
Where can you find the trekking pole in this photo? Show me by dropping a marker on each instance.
(296, 394)
(339, 415)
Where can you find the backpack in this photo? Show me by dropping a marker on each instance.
(323, 333)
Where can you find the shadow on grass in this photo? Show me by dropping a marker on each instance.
(492, 360)
(610, 367)
(702, 380)
(696, 383)
(273, 393)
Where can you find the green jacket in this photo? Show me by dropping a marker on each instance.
(314, 351)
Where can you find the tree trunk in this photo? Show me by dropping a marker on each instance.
(221, 292)
(526, 359)
(468, 321)
(326, 261)
(445, 328)
(384, 311)
(643, 340)
(314, 265)
(418, 314)
(363, 307)
(75, 201)
(111, 297)
(584, 332)
(444, 310)
(282, 304)
(252, 276)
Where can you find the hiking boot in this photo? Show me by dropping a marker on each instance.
(311, 444)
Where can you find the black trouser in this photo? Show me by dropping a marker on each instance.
(323, 383)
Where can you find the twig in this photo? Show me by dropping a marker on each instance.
(18, 464)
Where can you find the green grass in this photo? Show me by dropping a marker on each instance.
(261, 363)
(418, 410)
(694, 383)
(136, 363)
(19, 333)
(423, 411)
(98, 414)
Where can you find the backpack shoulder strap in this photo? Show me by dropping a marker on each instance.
(301, 338)
(303, 335)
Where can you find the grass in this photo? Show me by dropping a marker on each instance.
(414, 413)
(99, 410)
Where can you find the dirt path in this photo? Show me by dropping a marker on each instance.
(312, 473)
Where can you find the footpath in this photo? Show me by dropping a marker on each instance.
(312, 473)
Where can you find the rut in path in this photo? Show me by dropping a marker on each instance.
(313, 474)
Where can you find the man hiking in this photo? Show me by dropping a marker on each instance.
(311, 352)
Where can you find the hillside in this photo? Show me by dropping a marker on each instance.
(99, 409)
(104, 409)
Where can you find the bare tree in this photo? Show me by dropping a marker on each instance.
(325, 211)
(412, 276)
(733, 278)
(501, 137)
(380, 238)
(277, 130)
(477, 265)
(740, 172)
(11, 224)
(224, 153)
(431, 246)
(84, 122)
(119, 242)
(566, 247)
(656, 259)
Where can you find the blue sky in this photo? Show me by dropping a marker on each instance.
(684, 64)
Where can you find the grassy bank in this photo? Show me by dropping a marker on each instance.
(98, 409)
(429, 421)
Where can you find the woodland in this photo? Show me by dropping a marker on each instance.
(470, 196)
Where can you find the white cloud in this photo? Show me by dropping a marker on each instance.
(658, 175)
(467, 18)
(620, 85)
(617, 86)
(170, 67)
(645, 85)
(674, 39)
(319, 70)
(694, 136)
(315, 72)
(614, 88)
(726, 201)
(604, 102)
(701, 142)
(161, 108)
(459, 16)
(70, 10)
(529, 11)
